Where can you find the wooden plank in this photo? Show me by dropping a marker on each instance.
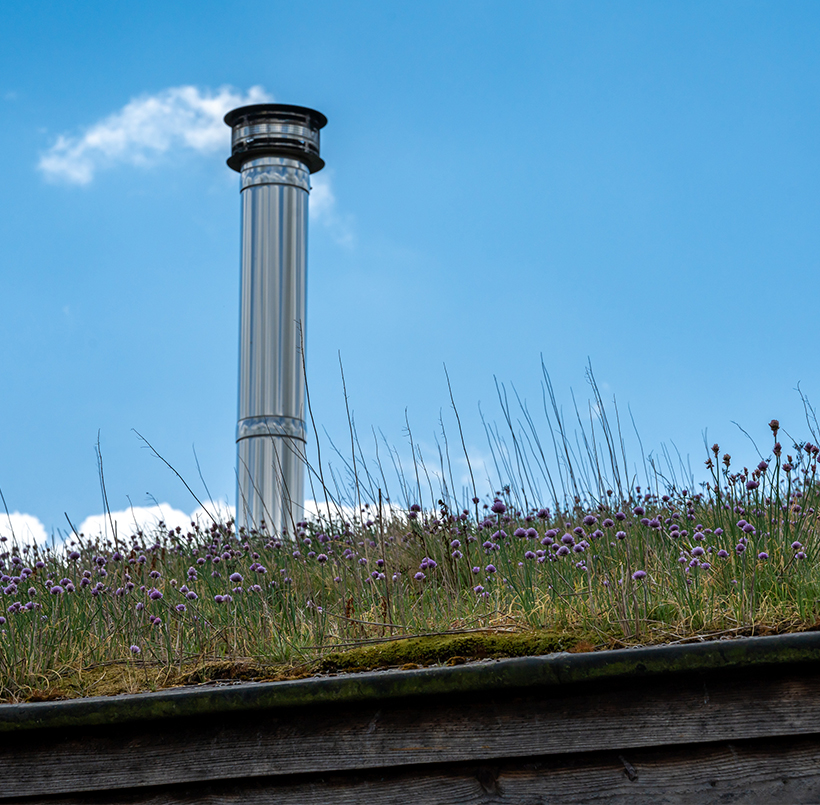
(744, 655)
(784, 772)
(409, 732)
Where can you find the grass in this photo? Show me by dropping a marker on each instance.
(606, 564)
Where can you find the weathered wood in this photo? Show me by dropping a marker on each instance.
(783, 772)
(480, 678)
(738, 723)
(582, 718)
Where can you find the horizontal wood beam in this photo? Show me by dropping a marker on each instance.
(383, 726)
(782, 772)
(694, 709)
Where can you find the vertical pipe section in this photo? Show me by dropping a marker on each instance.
(275, 148)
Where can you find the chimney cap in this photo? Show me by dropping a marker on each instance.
(275, 129)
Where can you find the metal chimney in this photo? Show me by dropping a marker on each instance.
(275, 148)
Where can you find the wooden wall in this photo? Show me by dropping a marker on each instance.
(685, 724)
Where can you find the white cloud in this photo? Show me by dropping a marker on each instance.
(322, 199)
(219, 510)
(318, 510)
(145, 128)
(147, 518)
(323, 209)
(24, 529)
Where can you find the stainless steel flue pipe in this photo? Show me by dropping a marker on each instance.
(275, 148)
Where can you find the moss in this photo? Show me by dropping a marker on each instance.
(457, 649)
(450, 650)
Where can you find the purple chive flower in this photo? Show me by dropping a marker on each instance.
(590, 519)
(220, 599)
(478, 589)
(750, 484)
(498, 507)
(56, 590)
(155, 595)
(235, 578)
(476, 570)
(563, 550)
(520, 532)
(796, 546)
(800, 555)
(139, 607)
(748, 529)
(457, 554)
(2, 620)
(620, 516)
(191, 595)
(322, 558)
(621, 535)
(638, 511)
(607, 523)
(490, 568)
(740, 548)
(136, 650)
(74, 555)
(697, 551)
(722, 554)
(529, 555)
(419, 576)
(639, 574)
(180, 608)
(568, 539)
(763, 556)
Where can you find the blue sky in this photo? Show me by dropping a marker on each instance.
(633, 184)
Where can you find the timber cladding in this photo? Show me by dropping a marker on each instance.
(728, 721)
